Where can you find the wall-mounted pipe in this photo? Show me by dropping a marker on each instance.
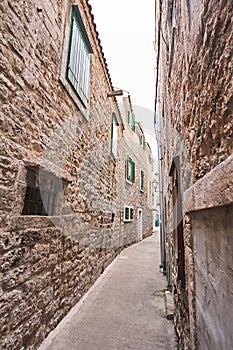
(160, 158)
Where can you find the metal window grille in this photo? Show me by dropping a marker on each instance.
(40, 196)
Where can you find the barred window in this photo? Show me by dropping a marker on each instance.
(41, 193)
(78, 63)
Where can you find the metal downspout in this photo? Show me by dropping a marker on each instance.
(157, 131)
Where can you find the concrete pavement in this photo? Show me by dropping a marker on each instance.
(125, 308)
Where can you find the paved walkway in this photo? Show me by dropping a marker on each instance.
(123, 310)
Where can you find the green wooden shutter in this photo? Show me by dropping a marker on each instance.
(128, 120)
(143, 141)
(142, 185)
(126, 167)
(133, 122)
(131, 213)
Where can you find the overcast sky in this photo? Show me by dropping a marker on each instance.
(126, 29)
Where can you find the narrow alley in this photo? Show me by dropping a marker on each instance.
(116, 175)
(125, 308)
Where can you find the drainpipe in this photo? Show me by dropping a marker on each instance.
(157, 132)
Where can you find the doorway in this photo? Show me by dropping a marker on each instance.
(139, 224)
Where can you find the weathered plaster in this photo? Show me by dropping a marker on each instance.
(212, 231)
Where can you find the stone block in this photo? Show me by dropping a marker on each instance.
(12, 259)
(20, 313)
(15, 278)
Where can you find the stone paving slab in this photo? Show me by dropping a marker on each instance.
(125, 308)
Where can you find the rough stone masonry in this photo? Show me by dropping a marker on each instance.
(48, 262)
(194, 117)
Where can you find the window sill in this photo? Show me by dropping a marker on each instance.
(23, 222)
(129, 182)
(63, 66)
(129, 128)
(36, 221)
(73, 95)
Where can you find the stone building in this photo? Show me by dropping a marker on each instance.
(194, 129)
(68, 204)
(137, 163)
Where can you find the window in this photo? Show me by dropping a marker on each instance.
(130, 170)
(78, 63)
(131, 120)
(41, 193)
(142, 176)
(128, 213)
(143, 141)
(114, 136)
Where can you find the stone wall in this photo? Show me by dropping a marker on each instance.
(48, 263)
(44, 273)
(197, 76)
(194, 121)
(213, 242)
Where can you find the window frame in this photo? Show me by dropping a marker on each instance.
(130, 175)
(131, 213)
(143, 141)
(131, 120)
(41, 185)
(142, 180)
(80, 54)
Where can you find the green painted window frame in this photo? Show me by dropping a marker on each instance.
(130, 170)
(142, 180)
(78, 60)
(143, 141)
(131, 120)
